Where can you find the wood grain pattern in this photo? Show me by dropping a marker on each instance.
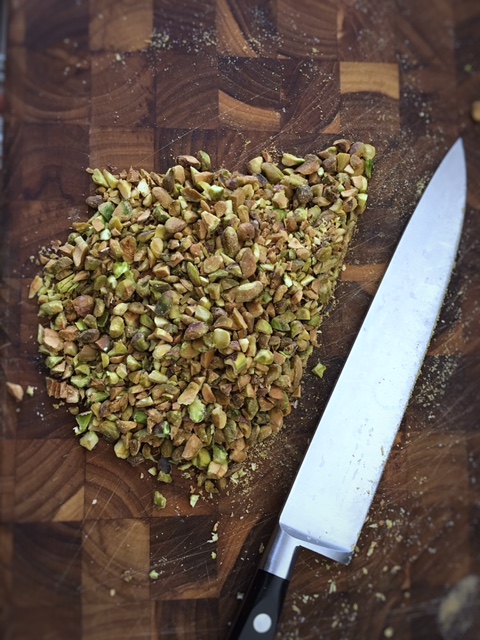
(137, 83)
(375, 77)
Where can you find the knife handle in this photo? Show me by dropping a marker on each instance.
(258, 617)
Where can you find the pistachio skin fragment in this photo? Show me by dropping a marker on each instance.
(15, 391)
(177, 321)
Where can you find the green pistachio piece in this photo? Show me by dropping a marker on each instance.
(255, 165)
(99, 178)
(196, 410)
(263, 326)
(289, 160)
(159, 502)
(272, 172)
(279, 324)
(264, 356)
(83, 422)
(117, 327)
(205, 160)
(89, 440)
(51, 308)
(221, 338)
(248, 291)
(319, 370)
(237, 362)
(194, 274)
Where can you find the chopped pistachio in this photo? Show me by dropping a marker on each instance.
(35, 286)
(194, 274)
(230, 242)
(319, 370)
(117, 327)
(221, 338)
(159, 500)
(89, 440)
(263, 326)
(264, 356)
(196, 410)
(249, 291)
(205, 161)
(255, 165)
(83, 421)
(99, 178)
(273, 172)
(178, 320)
(15, 391)
(189, 394)
(289, 160)
(194, 498)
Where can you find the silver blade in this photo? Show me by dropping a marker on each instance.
(333, 490)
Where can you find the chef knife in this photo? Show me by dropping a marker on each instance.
(333, 490)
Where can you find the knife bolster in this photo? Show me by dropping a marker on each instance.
(280, 554)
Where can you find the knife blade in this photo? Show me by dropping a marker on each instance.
(333, 490)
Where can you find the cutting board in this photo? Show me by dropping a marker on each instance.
(136, 83)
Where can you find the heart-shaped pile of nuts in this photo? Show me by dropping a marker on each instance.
(178, 320)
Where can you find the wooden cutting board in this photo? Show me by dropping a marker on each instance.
(136, 83)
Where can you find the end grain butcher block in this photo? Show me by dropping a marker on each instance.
(137, 83)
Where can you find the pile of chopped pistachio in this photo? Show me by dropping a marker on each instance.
(178, 320)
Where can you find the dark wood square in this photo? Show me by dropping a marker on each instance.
(46, 97)
(116, 561)
(310, 96)
(185, 26)
(109, 620)
(121, 26)
(40, 416)
(60, 173)
(49, 480)
(122, 91)
(121, 148)
(255, 81)
(113, 488)
(186, 91)
(307, 33)
(55, 622)
(46, 564)
(6, 556)
(247, 28)
(236, 146)
(197, 618)
(42, 222)
(67, 24)
(181, 552)
(357, 40)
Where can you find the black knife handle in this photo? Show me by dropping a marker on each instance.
(260, 611)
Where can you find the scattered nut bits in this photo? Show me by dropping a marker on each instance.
(182, 314)
(476, 111)
(15, 390)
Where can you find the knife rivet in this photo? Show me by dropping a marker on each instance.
(262, 622)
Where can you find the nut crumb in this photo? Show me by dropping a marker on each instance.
(475, 112)
(15, 391)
